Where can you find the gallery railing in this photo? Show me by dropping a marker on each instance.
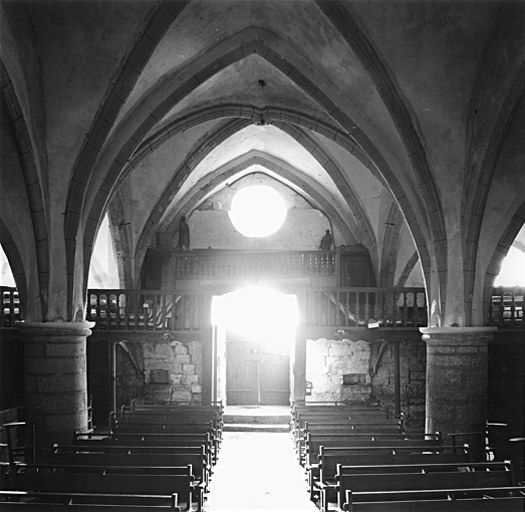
(121, 309)
(354, 307)
(318, 306)
(149, 310)
(10, 309)
(220, 264)
(507, 307)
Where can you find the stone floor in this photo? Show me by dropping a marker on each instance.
(257, 410)
(258, 471)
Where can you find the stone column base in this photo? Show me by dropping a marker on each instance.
(456, 380)
(55, 379)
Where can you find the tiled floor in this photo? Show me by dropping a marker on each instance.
(258, 472)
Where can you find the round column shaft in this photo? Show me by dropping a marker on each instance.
(456, 382)
(56, 378)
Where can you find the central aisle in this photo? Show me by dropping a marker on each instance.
(258, 471)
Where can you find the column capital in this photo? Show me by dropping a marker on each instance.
(56, 329)
(477, 336)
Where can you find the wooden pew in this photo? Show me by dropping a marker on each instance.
(356, 410)
(315, 431)
(196, 458)
(107, 480)
(166, 427)
(473, 468)
(314, 441)
(321, 476)
(163, 415)
(501, 499)
(28, 501)
(383, 487)
(152, 439)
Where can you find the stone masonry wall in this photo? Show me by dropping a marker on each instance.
(412, 354)
(327, 360)
(173, 363)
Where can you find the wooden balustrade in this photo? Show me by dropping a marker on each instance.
(153, 310)
(10, 311)
(354, 307)
(220, 264)
(319, 306)
(507, 307)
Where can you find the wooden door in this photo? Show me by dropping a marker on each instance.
(242, 366)
(274, 379)
(255, 377)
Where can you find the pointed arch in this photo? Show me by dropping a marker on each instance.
(134, 127)
(390, 245)
(360, 223)
(476, 194)
(509, 234)
(405, 120)
(282, 171)
(407, 269)
(32, 183)
(121, 236)
(16, 263)
(155, 25)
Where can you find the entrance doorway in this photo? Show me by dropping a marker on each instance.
(254, 332)
(255, 376)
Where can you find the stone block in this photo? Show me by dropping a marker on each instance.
(195, 347)
(65, 349)
(190, 379)
(414, 375)
(148, 350)
(181, 396)
(416, 364)
(69, 381)
(34, 365)
(196, 357)
(32, 349)
(176, 378)
(180, 348)
(188, 368)
(196, 388)
(59, 403)
(183, 359)
(67, 422)
(160, 376)
(163, 350)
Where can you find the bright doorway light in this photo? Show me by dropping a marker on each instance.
(257, 211)
(259, 313)
(512, 271)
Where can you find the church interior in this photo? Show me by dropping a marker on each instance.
(262, 255)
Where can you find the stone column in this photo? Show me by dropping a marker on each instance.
(209, 356)
(456, 380)
(55, 378)
(298, 376)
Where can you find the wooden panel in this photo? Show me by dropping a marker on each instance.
(275, 379)
(241, 373)
(254, 377)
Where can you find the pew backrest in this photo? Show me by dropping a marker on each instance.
(430, 501)
(385, 484)
(30, 501)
